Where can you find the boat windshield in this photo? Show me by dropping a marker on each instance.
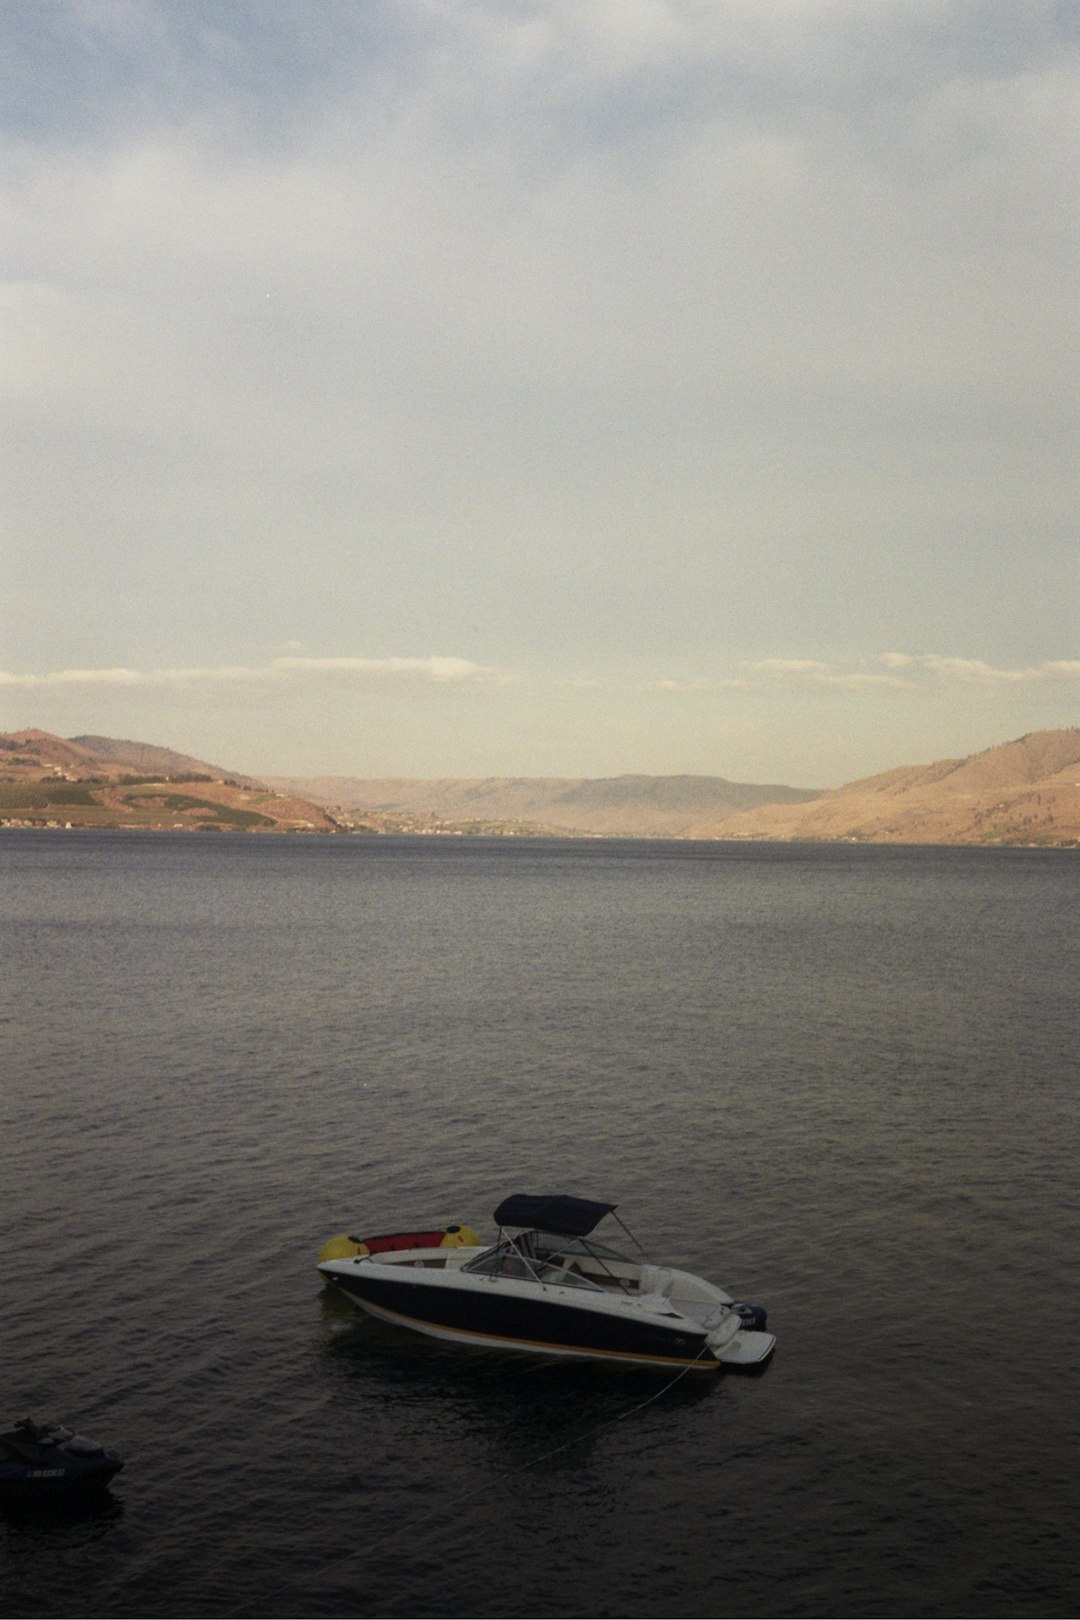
(512, 1257)
(546, 1257)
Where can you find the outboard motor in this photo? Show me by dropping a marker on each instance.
(752, 1317)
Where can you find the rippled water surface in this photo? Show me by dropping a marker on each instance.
(842, 1081)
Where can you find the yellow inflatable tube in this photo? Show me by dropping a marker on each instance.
(344, 1247)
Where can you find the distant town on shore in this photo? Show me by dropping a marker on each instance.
(1025, 792)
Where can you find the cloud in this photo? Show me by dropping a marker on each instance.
(671, 685)
(860, 680)
(440, 670)
(436, 669)
(906, 670)
(587, 337)
(814, 672)
(978, 670)
(77, 677)
(789, 666)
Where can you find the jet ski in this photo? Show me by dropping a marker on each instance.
(40, 1458)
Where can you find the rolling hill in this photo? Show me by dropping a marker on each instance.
(102, 782)
(603, 807)
(1024, 792)
(1021, 792)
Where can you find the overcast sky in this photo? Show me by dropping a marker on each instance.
(541, 387)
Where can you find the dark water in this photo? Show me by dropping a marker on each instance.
(842, 1081)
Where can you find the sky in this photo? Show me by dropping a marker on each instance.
(541, 387)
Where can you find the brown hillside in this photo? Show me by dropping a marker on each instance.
(47, 781)
(31, 753)
(608, 807)
(1023, 792)
(143, 759)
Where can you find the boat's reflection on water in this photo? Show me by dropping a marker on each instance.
(534, 1411)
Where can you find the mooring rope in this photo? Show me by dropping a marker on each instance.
(312, 1576)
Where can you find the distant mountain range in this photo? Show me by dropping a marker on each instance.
(1023, 792)
(605, 807)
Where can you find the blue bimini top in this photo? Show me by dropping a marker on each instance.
(568, 1217)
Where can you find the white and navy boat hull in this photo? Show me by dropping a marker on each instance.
(646, 1315)
(508, 1315)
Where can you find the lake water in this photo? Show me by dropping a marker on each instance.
(840, 1080)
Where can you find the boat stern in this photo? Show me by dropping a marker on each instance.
(743, 1348)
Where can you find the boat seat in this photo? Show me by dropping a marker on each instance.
(654, 1281)
(31, 1451)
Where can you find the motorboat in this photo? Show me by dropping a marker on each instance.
(40, 1458)
(549, 1287)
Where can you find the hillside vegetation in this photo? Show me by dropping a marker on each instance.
(101, 782)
